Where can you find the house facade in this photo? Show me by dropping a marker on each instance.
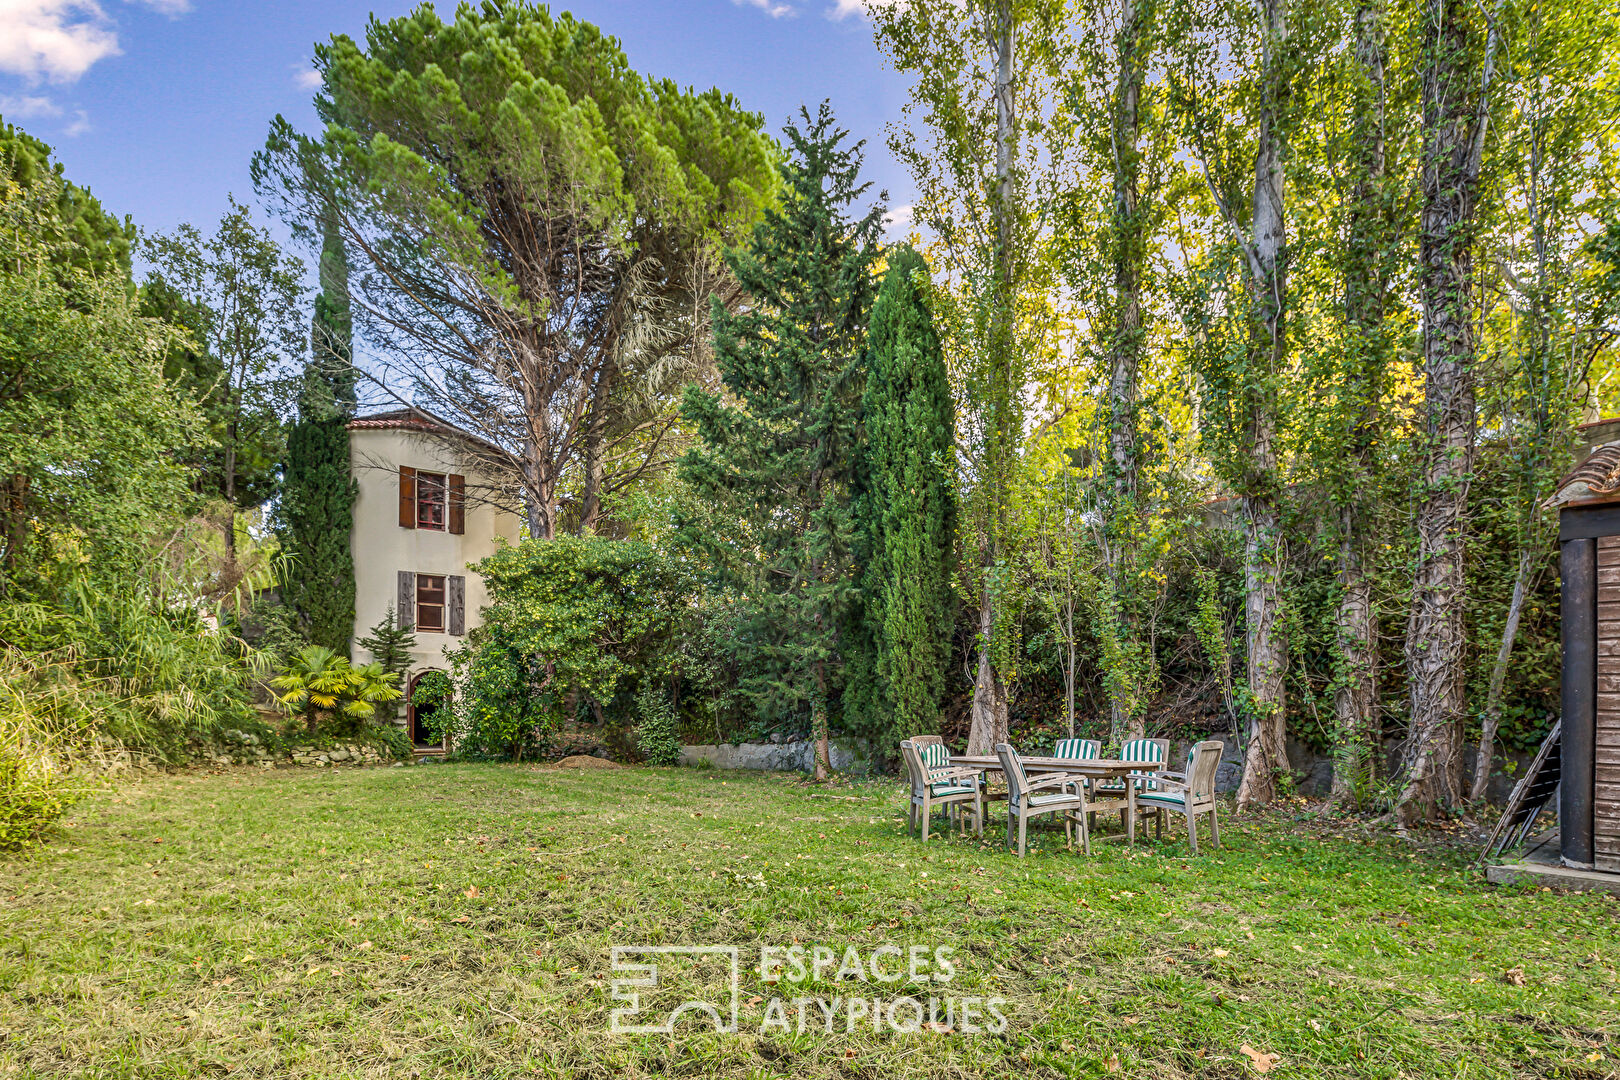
(414, 536)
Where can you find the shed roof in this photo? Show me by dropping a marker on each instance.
(1597, 479)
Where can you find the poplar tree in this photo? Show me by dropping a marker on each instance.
(775, 455)
(906, 512)
(318, 491)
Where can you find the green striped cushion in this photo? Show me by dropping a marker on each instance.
(948, 788)
(935, 756)
(1077, 749)
(1169, 798)
(1047, 800)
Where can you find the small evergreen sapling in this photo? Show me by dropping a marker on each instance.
(656, 736)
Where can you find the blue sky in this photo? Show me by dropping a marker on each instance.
(157, 105)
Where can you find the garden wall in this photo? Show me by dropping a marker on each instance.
(848, 755)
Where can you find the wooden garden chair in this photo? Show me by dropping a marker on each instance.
(1190, 793)
(1143, 750)
(1050, 795)
(939, 785)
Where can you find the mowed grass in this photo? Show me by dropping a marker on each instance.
(456, 920)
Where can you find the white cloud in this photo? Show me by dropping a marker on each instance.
(770, 7)
(53, 39)
(28, 107)
(79, 125)
(843, 9)
(171, 8)
(307, 78)
(898, 217)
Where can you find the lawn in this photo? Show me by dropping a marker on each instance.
(456, 920)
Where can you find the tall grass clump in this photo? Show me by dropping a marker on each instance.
(45, 741)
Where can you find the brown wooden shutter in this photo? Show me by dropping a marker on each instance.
(407, 498)
(455, 604)
(457, 500)
(407, 598)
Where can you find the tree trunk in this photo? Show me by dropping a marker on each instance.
(1267, 755)
(1493, 694)
(1366, 278)
(230, 488)
(595, 465)
(1125, 348)
(988, 724)
(1355, 762)
(819, 726)
(1453, 134)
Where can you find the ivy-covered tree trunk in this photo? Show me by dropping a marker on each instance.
(988, 724)
(1267, 755)
(1454, 115)
(1125, 348)
(1368, 253)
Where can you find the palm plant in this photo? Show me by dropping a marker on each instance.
(320, 684)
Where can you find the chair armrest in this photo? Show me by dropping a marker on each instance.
(1056, 781)
(1177, 777)
(1168, 784)
(951, 774)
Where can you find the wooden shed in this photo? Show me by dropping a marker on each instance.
(1588, 504)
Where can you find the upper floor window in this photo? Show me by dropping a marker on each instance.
(430, 602)
(432, 500)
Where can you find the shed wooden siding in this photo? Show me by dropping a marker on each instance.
(1606, 770)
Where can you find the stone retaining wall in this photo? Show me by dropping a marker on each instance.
(797, 755)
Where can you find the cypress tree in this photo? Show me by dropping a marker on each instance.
(318, 492)
(906, 514)
(774, 464)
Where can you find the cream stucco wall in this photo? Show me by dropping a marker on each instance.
(382, 548)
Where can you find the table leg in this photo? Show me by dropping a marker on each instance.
(1130, 802)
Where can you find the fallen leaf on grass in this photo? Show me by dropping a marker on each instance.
(1112, 1064)
(364, 945)
(1514, 976)
(472, 892)
(938, 1028)
(1262, 1063)
(1220, 952)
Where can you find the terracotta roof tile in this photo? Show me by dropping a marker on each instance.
(1597, 477)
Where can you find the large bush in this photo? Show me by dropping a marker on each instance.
(572, 621)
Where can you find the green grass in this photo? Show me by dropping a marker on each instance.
(456, 921)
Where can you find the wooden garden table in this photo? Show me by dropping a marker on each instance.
(1091, 769)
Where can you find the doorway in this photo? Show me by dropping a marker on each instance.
(421, 717)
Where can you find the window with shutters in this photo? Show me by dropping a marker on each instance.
(430, 500)
(430, 596)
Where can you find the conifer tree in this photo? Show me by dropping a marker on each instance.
(905, 513)
(318, 492)
(776, 465)
(390, 644)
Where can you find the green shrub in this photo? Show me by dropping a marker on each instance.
(45, 718)
(655, 737)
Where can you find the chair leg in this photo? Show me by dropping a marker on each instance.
(1022, 823)
(978, 815)
(1085, 834)
(1214, 829)
(1158, 825)
(927, 812)
(1192, 832)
